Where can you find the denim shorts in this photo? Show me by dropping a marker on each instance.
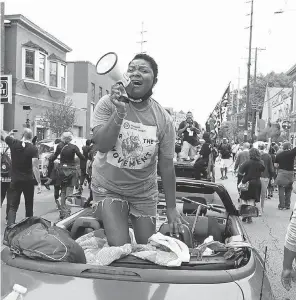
(137, 206)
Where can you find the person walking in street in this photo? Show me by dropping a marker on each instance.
(288, 272)
(51, 176)
(266, 175)
(242, 156)
(234, 150)
(201, 164)
(24, 166)
(132, 138)
(85, 151)
(249, 174)
(5, 173)
(226, 162)
(190, 130)
(67, 171)
(272, 152)
(284, 162)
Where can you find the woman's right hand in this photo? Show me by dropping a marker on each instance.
(117, 90)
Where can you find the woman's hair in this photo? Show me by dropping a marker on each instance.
(67, 137)
(254, 154)
(151, 61)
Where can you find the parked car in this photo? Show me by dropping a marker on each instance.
(130, 278)
(47, 147)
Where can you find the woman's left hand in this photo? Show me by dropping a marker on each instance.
(175, 221)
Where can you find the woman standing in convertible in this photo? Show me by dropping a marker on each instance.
(131, 138)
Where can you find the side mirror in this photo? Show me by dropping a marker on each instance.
(248, 211)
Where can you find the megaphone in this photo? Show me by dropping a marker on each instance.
(108, 64)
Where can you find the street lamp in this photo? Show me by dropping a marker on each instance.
(282, 11)
(28, 109)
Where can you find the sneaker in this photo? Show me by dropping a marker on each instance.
(222, 178)
(280, 208)
(287, 208)
(260, 213)
(225, 177)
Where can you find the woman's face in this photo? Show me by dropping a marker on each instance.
(142, 77)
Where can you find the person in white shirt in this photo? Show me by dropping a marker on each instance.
(234, 150)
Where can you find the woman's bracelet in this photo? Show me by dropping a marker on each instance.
(116, 122)
(118, 114)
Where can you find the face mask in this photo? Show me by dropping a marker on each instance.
(145, 97)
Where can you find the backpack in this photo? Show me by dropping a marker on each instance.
(37, 238)
(5, 164)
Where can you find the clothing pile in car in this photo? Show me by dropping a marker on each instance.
(161, 250)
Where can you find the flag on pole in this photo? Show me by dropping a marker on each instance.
(220, 111)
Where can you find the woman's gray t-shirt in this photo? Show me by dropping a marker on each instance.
(130, 168)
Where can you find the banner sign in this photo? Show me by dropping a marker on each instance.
(6, 89)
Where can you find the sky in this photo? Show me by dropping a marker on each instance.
(200, 46)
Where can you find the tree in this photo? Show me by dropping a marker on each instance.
(271, 80)
(271, 131)
(60, 117)
(229, 130)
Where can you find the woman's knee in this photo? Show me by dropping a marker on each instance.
(114, 214)
(144, 228)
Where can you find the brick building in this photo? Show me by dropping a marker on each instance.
(85, 88)
(37, 62)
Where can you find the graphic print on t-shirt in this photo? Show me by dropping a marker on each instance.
(135, 146)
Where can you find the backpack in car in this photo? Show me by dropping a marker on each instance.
(37, 238)
(5, 164)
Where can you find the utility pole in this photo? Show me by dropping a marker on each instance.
(254, 95)
(254, 104)
(249, 71)
(142, 38)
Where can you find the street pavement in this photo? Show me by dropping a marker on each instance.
(268, 230)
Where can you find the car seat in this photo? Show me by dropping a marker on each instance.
(81, 224)
(204, 227)
(190, 208)
(185, 237)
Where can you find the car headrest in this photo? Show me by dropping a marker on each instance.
(190, 208)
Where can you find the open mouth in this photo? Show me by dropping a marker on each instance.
(137, 83)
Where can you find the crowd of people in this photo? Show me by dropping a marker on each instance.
(21, 172)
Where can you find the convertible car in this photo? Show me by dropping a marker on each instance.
(209, 211)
